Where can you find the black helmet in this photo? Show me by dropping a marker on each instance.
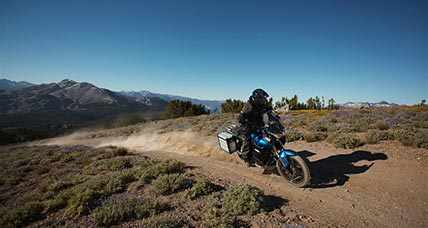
(260, 97)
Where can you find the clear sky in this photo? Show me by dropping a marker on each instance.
(351, 50)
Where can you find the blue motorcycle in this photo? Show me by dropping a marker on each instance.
(268, 151)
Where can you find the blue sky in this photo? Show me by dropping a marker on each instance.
(350, 50)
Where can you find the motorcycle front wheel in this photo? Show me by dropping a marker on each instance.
(297, 173)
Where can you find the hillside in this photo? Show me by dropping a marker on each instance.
(48, 109)
(353, 156)
(67, 95)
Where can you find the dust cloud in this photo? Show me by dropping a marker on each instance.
(180, 142)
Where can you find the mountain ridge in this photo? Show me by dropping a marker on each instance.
(213, 105)
(8, 85)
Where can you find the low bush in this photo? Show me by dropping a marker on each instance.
(322, 125)
(375, 136)
(58, 202)
(118, 182)
(405, 135)
(111, 152)
(200, 188)
(114, 164)
(151, 172)
(421, 139)
(214, 214)
(347, 141)
(314, 136)
(59, 185)
(115, 211)
(381, 125)
(243, 199)
(22, 216)
(81, 202)
(170, 183)
(360, 125)
(71, 156)
(292, 135)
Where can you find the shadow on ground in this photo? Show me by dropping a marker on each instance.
(336, 169)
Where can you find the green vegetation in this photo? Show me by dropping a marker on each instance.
(121, 188)
(243, 199)
(170, 183)
(314, 136)
(222, 209)
(162, 222)
(21, 216)
(202, 187)
(292, 135)
(178, 108)
(375, 136)
(313, 103)
(347, 141)
(232, 106)
(151, 172)
(115, 211)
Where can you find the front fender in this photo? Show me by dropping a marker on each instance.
(284, 154)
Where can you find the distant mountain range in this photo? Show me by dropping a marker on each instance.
(367, 104)
(66, 95)
(24, 97)
(71, 95)
(145, 96)
(12, 85)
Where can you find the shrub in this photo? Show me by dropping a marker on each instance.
(421, 139)
(149, 208)
(71, 156)
(58, 202)
(112, 151)
(406, 136)
(322, 126)
(170, 183)
(22, 216)
(118, 182)
(81, 202)
(242, 199)
(381, 125)
(347, 141)
(200, 188)
(115, 164)
(375, 136)
(360, 125)
(214, 215)
(315, 136)
(147, 174)
(115, 211)
(119, 164)
(292, 135)
(59, 185)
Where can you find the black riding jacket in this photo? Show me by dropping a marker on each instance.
(251, 116)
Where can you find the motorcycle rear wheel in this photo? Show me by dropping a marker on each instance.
(297, 173)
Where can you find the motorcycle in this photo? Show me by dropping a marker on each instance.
(268, 150)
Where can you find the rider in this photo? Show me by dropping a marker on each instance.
(251, 119)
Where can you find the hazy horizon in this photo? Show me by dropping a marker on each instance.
(351, 51)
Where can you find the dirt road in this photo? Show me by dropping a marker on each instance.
(375, 186)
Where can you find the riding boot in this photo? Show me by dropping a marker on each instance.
(246, 153)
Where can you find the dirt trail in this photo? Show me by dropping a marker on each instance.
(372, 187)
